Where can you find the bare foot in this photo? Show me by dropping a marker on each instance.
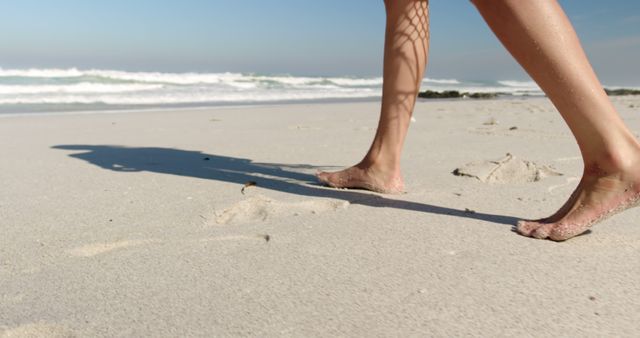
(598, 196)
(362, 177)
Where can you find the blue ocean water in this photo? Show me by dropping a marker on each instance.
(30, 90)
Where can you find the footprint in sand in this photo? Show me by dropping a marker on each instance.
(37, 330)
(260, 208)
(508, 169)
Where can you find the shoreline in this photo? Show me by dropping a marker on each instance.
(161, 108)
(194, 107)
(7, 110)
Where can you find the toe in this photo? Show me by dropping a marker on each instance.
(543, 231)
(525, 228)
(324, 177)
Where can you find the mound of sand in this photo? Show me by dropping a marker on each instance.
(508, 169)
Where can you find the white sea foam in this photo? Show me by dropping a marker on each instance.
(440, 81)
(115, 87)
(519, 84)
(343, 81)
(179, 99)
(169, 78)
(42, 73)
(83, 87)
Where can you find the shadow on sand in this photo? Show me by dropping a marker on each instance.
(280, 177)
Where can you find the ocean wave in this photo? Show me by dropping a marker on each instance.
(167, 78)
(143, 77)
(181, 98)
(189, 78)
(344, 81)
(40, 73)
(117, 87)
(440, 81)
(82, 87)
(519, 84)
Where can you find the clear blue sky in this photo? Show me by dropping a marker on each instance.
(300, 37)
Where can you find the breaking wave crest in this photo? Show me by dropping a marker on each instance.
(115, 87)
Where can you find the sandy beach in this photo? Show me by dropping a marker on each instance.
(137, 224)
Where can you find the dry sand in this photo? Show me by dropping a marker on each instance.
(134, 224)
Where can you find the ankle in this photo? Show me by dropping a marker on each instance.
(381, 161)
(618, 160)
(383, 165)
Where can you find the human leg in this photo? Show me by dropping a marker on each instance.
(405, 58)
(541, 38)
